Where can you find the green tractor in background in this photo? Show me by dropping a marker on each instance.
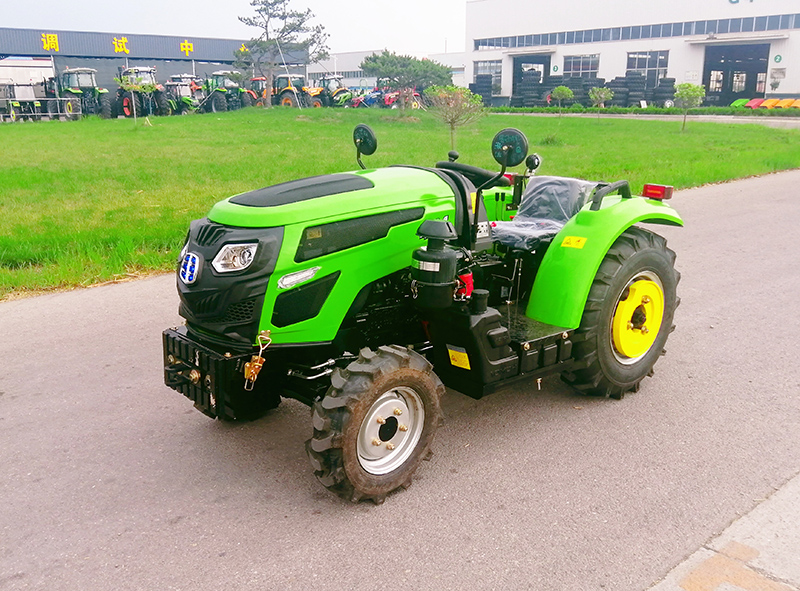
(141, 93)
(330, 91)
(224, 94)
(363, 294)
(75, 92)
(184, 93)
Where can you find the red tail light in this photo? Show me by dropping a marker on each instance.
(657, 192)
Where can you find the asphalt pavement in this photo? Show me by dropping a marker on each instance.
(110, 480)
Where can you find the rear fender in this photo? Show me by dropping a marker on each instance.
(570, 264)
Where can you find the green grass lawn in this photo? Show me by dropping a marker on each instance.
(91, 201)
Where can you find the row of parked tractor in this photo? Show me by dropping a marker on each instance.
(75, 92)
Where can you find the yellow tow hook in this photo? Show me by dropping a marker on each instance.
(252, 367)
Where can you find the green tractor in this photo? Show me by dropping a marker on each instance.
(184, 93)
(289, 90)
(319, 289)
(330, 92)
(76, 92)
(140, 93)
(223, 94)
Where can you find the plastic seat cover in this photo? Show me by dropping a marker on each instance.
(547, 204)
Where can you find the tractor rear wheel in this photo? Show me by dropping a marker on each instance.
(376, 424)
(247, 99)
(628, 316)
(106, 108)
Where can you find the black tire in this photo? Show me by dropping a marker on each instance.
(72, 106)
(288, 99)
(247, 100)
(348, 423)
(163, 105)
(52, 107)
(316, 102)
(603, 369)
(106, 108)
(217, 103)
(130, 101)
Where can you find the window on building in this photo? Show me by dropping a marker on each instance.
(715, 82)
(581, 65)
(739, 82)
(761, 23)
(493, 67)
(747, 24)
(653, 64)
(761, 83)
(773, 23)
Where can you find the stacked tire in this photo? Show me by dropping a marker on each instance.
(529, 89)
(578, 87)
(619, 86)
(483, 87)
(664, 91)
(636, 83)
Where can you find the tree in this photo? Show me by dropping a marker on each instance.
(561, 94)
(688, 96)
(405, 73)
(282, 30)
(599, 96)
(455, 106)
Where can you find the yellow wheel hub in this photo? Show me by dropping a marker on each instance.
(637, 319)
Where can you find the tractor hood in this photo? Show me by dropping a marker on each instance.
(331, 196)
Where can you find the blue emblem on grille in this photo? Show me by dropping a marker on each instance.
(190, 268)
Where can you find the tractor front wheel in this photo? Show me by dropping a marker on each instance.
(72, 106)
(163, 105)
(288, 99)
(217, 103)
(316, 102)
(628, 316)
(106, 108)
(376, 424)
(247, 99)
(131, 101)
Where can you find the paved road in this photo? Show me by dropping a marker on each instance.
(109, 480)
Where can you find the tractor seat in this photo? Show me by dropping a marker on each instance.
(547, 204)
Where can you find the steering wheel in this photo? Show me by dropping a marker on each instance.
(476, 175)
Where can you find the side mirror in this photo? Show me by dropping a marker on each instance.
(509, 147)
(365, 141)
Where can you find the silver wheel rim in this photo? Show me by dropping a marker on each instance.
(391, 430)
(644, 275)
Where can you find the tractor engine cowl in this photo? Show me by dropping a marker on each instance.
(433, 268)
(221, 302)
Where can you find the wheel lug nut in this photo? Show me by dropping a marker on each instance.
(376, 442)
(390, 446)
(630, 325)
(397, 412)
(646, 300)
(645, 330)
(402, 427)
(381, 420)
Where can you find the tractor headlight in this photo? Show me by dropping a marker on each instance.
(234, 257)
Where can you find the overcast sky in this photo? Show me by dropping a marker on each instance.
(417, 27)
